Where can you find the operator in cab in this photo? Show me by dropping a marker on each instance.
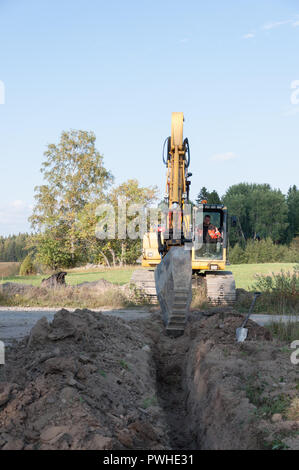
(211, 233)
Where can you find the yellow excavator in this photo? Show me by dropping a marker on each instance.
(188, 247)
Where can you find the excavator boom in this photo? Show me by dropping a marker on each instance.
(173, 276)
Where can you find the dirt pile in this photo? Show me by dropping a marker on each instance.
(99, 285)
(87, 381)
(84, 381)
(13, 288)
(219, 325)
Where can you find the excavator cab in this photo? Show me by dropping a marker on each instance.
(210, 247)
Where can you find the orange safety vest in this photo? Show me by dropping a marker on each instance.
(214, 234)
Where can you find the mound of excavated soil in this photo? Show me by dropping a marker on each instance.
(87, 381)
(84, 381)
(101, 284)
(221, 328)
(13, 288)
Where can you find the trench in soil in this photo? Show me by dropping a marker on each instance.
(170, 358)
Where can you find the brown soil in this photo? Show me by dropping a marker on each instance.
(86, 381)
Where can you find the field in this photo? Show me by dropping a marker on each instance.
(244, 274)
(9, 269)
(76, 276)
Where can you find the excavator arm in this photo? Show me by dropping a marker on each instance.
(173, 276)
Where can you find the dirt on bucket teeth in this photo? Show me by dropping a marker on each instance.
(89, 381)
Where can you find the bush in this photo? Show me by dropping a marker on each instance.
(264, 251)
(280, 291)
(237, 255)
(286, 332)
(27, 267)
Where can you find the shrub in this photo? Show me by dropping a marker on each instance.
(264, 251)
(27, 267)
(237, 255)
(280, 291)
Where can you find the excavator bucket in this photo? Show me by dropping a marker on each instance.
(173, 278)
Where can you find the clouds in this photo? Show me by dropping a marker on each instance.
(275, 24)
(221, 157)
(249, 36)
(184, 40)
(14, 217)
(294, 22)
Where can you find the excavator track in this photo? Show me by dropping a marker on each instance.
(220, 287)
(144, 281)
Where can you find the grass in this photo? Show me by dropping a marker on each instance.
(112, 296)
(286, 332)
(279, 289)
(9, 269)
(245, 277)
(245, 273)
(118, 276)
(266, 406)
(115, 296)
(124, 365)
(150, 401)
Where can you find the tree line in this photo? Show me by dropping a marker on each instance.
(14, 247)
(76, 182)
(261, 212)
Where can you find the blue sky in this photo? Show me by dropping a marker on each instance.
(120, 68)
